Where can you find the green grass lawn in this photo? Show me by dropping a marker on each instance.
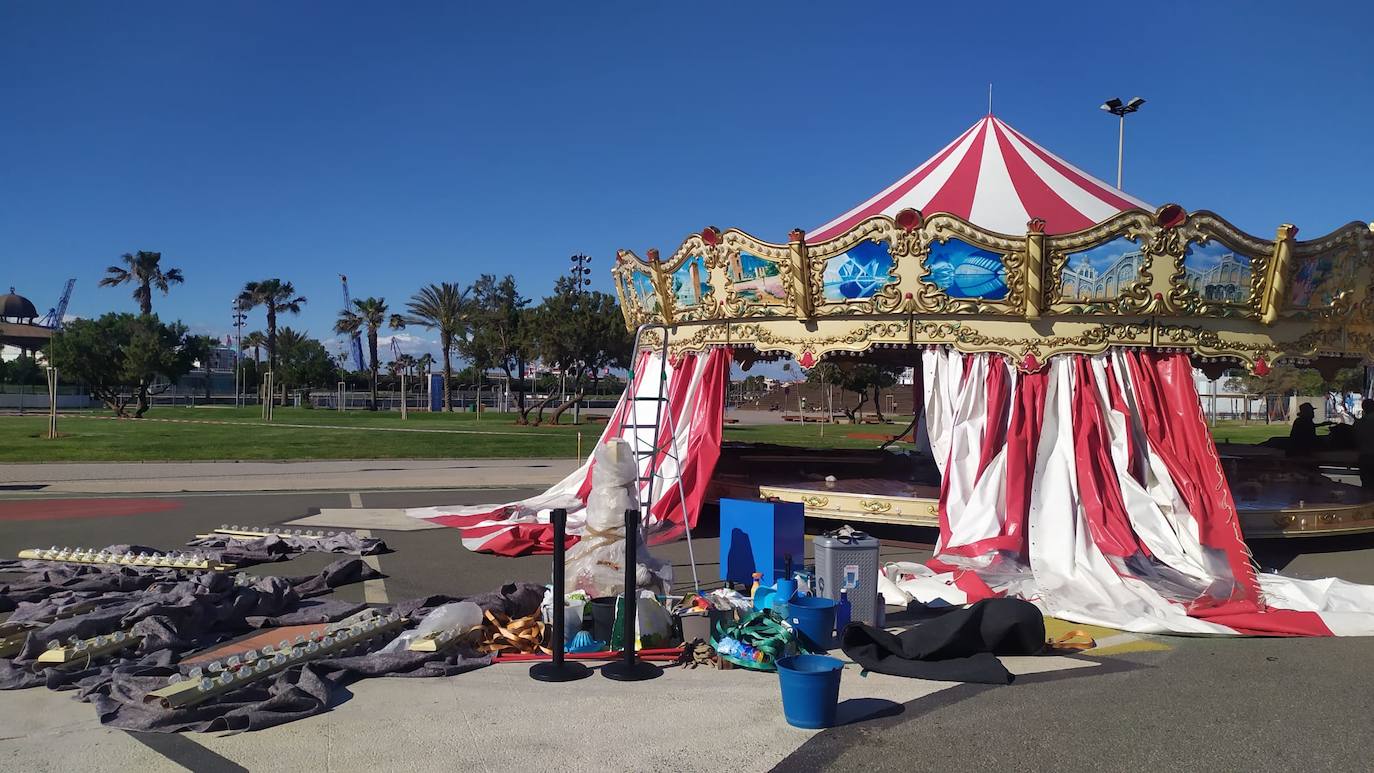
(240, 434)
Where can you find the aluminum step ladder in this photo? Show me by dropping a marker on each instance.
(648, 473)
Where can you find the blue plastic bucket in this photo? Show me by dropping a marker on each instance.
(810, 689)
(784, 590)
(813, 618)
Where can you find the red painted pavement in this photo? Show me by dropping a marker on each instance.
(62, 509)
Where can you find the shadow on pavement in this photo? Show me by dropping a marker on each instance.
(855, 710)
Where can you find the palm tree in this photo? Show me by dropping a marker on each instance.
(143, 269)
(277, 297)
(423, 363)
(255, 341)
(442, 307)
(369, 313)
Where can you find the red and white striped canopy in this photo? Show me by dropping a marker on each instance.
(997, 178)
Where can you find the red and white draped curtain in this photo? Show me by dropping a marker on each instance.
(689, 445)
(1092, 488)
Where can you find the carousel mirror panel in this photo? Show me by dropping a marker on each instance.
(1319, 280)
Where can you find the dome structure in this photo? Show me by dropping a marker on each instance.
(17, 308)
(996, 178)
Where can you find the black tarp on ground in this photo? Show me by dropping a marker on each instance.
(957, 645)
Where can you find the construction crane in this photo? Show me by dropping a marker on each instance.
(56, 313)
(357, 342)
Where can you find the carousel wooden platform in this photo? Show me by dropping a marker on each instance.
(1275, 497)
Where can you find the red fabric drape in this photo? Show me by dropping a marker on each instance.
(1171, 414)
(1098, 487)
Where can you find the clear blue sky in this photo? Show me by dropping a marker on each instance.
(404, 144)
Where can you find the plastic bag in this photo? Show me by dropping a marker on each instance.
(458, 615)
(574, 606)
(653, 623)
(596, 564)
(727, 599)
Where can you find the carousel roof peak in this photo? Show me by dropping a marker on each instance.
(997, 178)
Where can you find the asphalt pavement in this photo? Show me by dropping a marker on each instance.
(1144, 703)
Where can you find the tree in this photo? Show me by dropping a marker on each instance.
(502, 334)
(276, 297)
(367, 313)
(143, 270)
(201, 348)
(423, 363)
(442, 308)
(255, 341)
(305, 363)
(120, 358)
(857, 379)
(580, 333)
(23, 370)
(1286, 381)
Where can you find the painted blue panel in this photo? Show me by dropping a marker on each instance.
(755, 279)
(691, 282)
(1101, 273)
(1217, 272)
(965, 271)
(859, 273)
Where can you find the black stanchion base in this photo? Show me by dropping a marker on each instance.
(637, 671)
(567, 671)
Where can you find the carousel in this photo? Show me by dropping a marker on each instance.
(1055, 325)
(996, 246)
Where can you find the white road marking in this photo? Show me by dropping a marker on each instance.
(374, 591)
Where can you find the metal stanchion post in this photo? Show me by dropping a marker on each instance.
(52, 403)
(630, 668)
(558, 670)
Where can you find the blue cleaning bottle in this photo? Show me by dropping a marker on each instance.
(842, 610)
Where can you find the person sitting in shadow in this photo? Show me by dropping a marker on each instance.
(1364, 442)
(1302, 438)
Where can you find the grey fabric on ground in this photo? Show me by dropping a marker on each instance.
(179, 612)
(261, 550)
(175, 612)
(300, 691)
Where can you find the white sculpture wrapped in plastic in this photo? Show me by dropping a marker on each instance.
(596, 564)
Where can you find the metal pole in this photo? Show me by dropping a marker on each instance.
(1214, 402)
(1120, 148)
(403, 397)
(557, 670)
(630, 668)
(52, 403)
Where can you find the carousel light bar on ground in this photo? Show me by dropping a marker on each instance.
(216, 678)
(228, 530)
(86, 650)
(189, 561)
(13, 635)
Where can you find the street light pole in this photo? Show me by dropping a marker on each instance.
(1119, 109)
(239, 318)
